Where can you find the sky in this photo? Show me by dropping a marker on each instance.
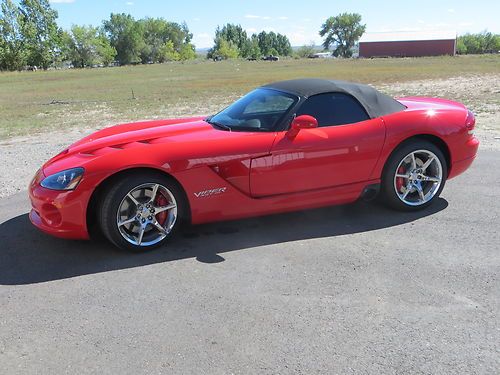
(298, 19)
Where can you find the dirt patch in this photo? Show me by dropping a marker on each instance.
(22, 156)
(480, 93)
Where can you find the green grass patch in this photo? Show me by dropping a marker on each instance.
(32, 102)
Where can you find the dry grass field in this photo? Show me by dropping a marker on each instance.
(32, 102)
(353, 289)
(42, 112)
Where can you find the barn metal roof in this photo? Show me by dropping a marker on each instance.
(406, 36)
(375, 103)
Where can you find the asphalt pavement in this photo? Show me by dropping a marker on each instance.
(355, 289)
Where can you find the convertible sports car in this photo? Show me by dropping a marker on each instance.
(285, 146)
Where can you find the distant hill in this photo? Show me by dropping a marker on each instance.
(202, 51)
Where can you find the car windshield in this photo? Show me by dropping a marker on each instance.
(259, 110)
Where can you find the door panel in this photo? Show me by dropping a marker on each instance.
(318, 158)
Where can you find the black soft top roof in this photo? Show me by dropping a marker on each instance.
(375, 103)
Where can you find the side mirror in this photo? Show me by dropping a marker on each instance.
(302, 122)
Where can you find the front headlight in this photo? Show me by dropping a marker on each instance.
(65, 180)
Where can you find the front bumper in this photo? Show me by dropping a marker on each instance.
(58, 213)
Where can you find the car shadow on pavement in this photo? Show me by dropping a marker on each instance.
(28, 256)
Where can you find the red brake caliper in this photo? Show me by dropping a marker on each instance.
(161, 201)
(400, 181)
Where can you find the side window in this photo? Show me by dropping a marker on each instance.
(333, 109)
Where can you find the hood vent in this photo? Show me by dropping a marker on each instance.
(114, 148)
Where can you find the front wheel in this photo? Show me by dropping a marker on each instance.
(140, 212)
(414, 176)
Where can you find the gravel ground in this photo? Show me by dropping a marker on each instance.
(354, 289)
(22, 156)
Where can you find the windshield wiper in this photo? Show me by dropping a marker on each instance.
(218, 124)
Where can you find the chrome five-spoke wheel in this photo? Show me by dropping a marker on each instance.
(147, 214)
(418, 177)
(139, 211)
(414, 175)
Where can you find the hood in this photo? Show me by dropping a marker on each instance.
(139, 132)
(158, 141)
(146, 132)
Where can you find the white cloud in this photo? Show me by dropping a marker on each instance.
(61, 1)
(255, 17)
(451, 10)
(196, 19)
(283, 18)
(129, 3)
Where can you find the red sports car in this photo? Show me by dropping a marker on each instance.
(285, 146)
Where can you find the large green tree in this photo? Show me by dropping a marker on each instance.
(154, 30)
(165, 41)
(126, 36)
(274, 44)
(252, 48)
(13, 54)
(342, 32)
(229, 38)
(284, 47)
(148, 40)
(87, 46)
(233, 41)
(42, 36)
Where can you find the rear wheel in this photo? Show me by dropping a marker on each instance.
(414, 176)
(141, 212)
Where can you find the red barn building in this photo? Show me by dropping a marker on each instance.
(408, 44)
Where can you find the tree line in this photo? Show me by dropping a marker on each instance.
(484, 42)
(340, 34)
(232, 41)
(30, 37)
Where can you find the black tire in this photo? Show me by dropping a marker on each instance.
(112, 198)
(389, 195)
